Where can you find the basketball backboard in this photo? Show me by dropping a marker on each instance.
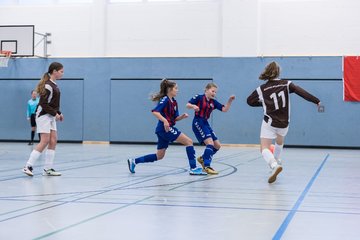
(19, 39)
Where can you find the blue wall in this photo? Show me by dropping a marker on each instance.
(107, 99)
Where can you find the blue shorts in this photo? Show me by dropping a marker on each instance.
(202, 130)
(164, 138)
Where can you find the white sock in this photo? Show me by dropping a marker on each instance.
(34, 155)
(278, 150)
(269, 157)
(49, 159)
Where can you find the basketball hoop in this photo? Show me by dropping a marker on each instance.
(4, 58)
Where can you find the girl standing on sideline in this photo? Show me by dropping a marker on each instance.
(167, 112)
(30, 114)
(274, 97)
(48, 112)
(203, 105)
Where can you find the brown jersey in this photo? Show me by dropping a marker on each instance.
(274, 97)
(50, 102)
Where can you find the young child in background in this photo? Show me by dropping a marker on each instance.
(30, 114)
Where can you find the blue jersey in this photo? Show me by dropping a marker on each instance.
(169, 110)
(31, 106)
(205, 106)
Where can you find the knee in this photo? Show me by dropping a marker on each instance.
(189, 142)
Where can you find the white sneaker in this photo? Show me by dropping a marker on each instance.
(276, 170)
(28, 171)
(51, 172)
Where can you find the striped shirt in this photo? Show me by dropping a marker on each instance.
(169, 110)
(206, 106)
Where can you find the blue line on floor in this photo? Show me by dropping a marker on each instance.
(292, 212)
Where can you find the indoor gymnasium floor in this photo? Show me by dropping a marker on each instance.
(317, 196)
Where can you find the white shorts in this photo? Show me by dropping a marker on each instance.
(267, 131)
(45, 123)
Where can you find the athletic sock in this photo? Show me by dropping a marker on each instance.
(146, 158)
(34, 155)
(32, 135)
(269, 157)
(278, 150)
(49, 159)
(214, 151)
(190, 151)
(208, 152)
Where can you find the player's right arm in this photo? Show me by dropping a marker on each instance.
(253, 100)
(192, 104)
(28, 111)
(161, 118)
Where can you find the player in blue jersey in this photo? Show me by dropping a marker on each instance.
(30, 114)
(203, 105)
(168, 114)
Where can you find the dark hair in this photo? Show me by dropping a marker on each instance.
(271, 71)
(40, 88)
(165, 86)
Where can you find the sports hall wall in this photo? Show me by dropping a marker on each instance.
(107, 99)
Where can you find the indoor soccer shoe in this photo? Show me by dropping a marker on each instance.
(276, 170)
(51, 172)
(201, 161)
(28, 171)
(197, 171)
(131, 164)
(210, 171)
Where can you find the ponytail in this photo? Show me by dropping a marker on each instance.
(271, 71)
(40, 88)
(165, 86)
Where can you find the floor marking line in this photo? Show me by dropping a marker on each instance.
(296, 206)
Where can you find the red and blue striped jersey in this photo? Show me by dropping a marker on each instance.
(205, 106)
(169, 110)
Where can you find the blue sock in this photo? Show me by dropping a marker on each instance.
(214, 151)
(207, 155)
(190, 151)
(146, 158)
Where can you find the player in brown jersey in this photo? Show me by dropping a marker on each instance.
(274, 97)
(47, 113)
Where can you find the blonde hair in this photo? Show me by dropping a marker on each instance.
(271, 71)
(165, 85)
(40, 88)
(210, 85)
